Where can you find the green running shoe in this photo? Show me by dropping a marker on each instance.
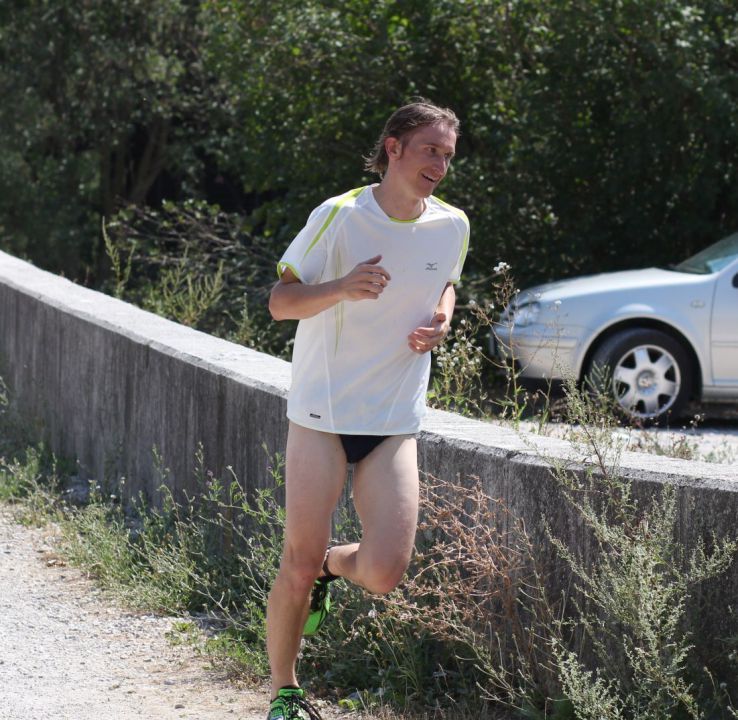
(320, 605)
(320, 600)
(290, 704)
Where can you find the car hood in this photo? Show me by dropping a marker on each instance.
(607, 283)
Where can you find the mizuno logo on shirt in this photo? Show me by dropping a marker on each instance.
(431, 266)
(313, 415)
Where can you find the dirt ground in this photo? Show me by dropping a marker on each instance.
(67, 652)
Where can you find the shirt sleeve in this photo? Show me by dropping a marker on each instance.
(455, 275)
(306, 255)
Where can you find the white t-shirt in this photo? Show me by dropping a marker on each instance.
(352, 370)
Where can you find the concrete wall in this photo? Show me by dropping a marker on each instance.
(109, 381)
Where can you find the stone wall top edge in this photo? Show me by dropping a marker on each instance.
(529, 447)
(273, 375)
(145, 328)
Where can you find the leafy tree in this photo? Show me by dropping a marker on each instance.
(596, 135)
(630, 121)
(104, 100)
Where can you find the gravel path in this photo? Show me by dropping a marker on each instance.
(66, 652)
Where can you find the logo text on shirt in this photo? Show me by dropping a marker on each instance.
(431, 266)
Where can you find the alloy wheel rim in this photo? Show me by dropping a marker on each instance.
(646, 381)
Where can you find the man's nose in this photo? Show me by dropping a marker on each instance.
(441, 164)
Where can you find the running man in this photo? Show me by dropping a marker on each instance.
(371, 280)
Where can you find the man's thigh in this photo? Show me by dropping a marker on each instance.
(386, 496)
(315, 475)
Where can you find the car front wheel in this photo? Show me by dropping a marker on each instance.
(648, 372)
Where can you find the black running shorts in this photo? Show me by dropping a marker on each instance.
(357, 447)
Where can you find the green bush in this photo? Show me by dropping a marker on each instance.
(199, 266)
(104, 102)
(216, 554)
(596, 135)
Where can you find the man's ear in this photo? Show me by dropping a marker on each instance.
(393, 147)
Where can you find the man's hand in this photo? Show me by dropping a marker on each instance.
(365, 282)
(290, 299)
(423, 339)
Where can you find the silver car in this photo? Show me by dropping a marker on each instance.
(662, 336)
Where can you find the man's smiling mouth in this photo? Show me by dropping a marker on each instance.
(428, 178)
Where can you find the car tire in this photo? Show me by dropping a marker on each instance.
(647, 372)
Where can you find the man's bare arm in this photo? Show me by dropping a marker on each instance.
(423, 339)
(291, 299)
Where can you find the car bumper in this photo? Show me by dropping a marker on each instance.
(538, 352)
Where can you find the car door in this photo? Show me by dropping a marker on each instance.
(724, 328)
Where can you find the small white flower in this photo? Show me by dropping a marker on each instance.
(472, 302)
(372, 613)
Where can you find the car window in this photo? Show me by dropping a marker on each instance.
(711, 259)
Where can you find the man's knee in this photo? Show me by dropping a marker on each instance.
(384, 577)
(299, 570)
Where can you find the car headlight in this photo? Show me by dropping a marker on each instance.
(526, 314)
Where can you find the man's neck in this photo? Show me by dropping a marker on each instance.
(396, 205)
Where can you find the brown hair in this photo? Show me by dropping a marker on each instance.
(404, 121)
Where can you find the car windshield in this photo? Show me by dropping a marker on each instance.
(711, 259)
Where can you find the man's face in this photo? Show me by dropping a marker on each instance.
(421, 159)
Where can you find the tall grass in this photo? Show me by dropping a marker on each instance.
(214, 555)
(475, 629)
(632, 596)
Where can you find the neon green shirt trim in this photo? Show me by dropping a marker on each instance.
(397, 220)
(350, 195)
(462, 215)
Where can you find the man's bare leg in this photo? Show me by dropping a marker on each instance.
(386, 500)
(315, 475)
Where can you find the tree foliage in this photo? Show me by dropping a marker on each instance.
(596, 135)
(103, 100)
